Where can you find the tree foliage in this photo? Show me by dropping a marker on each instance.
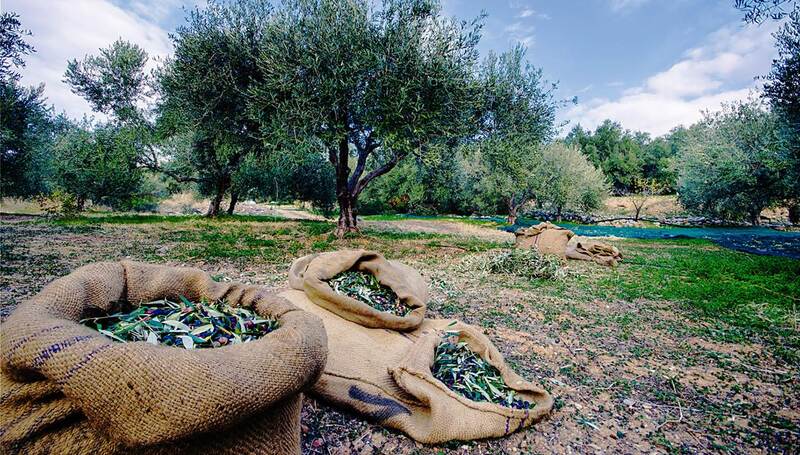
(204, 92)
(625, 156)
(27, 125)
(376, 84)
(782, 89)
(757, 11)
(565, 179)
(732, 166)
(98, 163)
(13, 47)
(516, 115)
(113, 82)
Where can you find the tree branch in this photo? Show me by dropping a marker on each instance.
(388, 166)
(364, 151)
(152, 164)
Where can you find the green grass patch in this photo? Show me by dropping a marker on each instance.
(753, 294)
(400, 235)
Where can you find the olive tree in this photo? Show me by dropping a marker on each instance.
(204, 90)
(516, 115)
(114, 82)
(732, 164)
(27, 125)
(782, 89)
(373, 84)
(97, 163)
(565, 179)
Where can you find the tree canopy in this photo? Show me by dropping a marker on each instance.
(732, 165)
(376, 84)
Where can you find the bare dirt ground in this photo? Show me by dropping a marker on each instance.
(630, 375)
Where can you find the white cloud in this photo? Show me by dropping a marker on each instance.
(721, 70)
(521, 32)
(63, 30)
(623, 5)
(526, 12)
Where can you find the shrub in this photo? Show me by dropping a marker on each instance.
(59, 204)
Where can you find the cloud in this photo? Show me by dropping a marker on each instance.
(521, 32)
(526, 12)
(625, 5)
(63, 30)
(720, 70)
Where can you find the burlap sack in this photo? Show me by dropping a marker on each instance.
(385, 376)
(587, 249)
(546, 238)
(68, 389)
(310, 274)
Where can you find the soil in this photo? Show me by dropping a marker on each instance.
(640, 376)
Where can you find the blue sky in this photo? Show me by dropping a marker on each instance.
(649, 64)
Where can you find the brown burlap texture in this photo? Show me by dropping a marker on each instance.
(587, 249)
(546, 238)
(68, 389)
(386, 376)
(310, 273)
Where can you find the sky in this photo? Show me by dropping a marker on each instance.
(651, 65)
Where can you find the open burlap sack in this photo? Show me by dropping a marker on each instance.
(310, 274)
(546, 238)
(588, 249)
(385, 375)
(68, 389)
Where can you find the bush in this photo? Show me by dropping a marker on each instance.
(59, 203)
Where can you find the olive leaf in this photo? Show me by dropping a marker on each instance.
(469, 375)
(364, 287)
(184, 324)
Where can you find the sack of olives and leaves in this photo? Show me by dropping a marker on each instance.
(124, 357)
(363, 287)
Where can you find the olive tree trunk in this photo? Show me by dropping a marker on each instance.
(221, 187)
(349, 186)
(512, 212)
(234, 200)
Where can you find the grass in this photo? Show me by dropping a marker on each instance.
(754, 295)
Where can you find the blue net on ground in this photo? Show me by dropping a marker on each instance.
(757, 240)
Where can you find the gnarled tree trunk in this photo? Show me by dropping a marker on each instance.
(348, 186)
(348, 221)
(222, 184)
(794, 212)
(512, 211)
(234, 200)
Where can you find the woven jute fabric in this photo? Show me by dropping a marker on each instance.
(546, 238)
(68, 389)
(385, 376)
(587, 249)
(311, 273)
